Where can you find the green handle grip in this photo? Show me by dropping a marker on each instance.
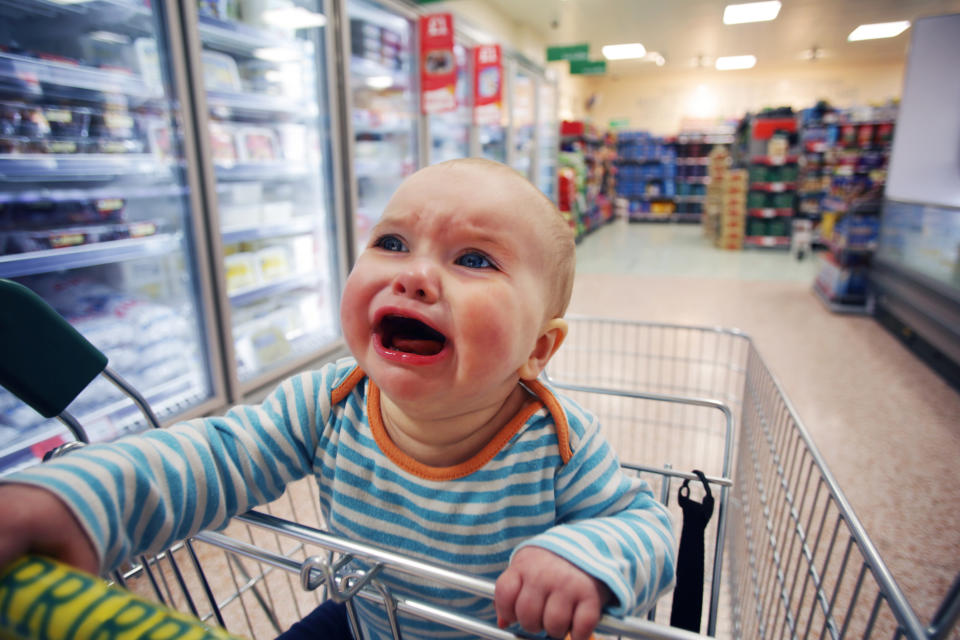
(46, 362)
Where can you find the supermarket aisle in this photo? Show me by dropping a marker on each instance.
(885, 423)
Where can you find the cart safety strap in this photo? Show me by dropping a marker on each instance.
(688, 594)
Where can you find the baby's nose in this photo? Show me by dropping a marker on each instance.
(419, 282)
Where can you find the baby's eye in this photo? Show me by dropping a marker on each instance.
(475, 260)
(390, 243)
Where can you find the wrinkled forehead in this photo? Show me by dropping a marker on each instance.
(469, 196)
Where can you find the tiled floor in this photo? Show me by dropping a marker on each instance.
(887, 426)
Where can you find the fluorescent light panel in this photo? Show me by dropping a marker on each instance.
(751, 12)
(732, 63)
(624, 51)
(878, 30)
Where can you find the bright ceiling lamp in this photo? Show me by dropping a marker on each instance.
(878, 30)
(624, 51)
(751, 12)
(732, 63)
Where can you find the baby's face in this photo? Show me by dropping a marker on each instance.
(446, 302)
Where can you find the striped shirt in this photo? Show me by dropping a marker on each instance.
(548, 478)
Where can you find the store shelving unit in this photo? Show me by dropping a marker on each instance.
(850, 224)
(767, 149)
(585, 177)
(693, 174)
(819, 131)
(646, 170)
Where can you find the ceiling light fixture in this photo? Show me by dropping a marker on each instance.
(624, 51)
(751, 12)
(732, 63)
(878, 30)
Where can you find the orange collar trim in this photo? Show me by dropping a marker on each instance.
(544, 398)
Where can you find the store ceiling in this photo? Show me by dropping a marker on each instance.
(684, 31)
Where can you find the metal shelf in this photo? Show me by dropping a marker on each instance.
(238, 37)
(296, 226)
(277, 170)
(20, 68)
(277, 287)
(45, 194)
(23, 264)
(259, 103)
(39, 167)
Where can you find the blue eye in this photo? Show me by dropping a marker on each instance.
(390, 243)
(474, 260)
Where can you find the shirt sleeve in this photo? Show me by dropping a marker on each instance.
(143, 493)
(611, 526)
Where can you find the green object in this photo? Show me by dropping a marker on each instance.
(756, 200)
(46, 362)
(588, 67)
(568, 52)
(619, 123)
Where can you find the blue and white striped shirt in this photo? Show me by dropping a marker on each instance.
(548, 478)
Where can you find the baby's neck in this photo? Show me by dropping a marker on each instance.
(445, 441)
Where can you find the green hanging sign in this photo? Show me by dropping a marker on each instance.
(568, 52)
(588, 67)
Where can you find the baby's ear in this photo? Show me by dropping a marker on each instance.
(551, 337)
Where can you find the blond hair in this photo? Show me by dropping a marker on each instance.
(561, 245)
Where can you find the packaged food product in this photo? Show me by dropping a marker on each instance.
(148, 63)
(220, 72)
(222, 143)
(241, 271)
(259, 144)
(274, 263)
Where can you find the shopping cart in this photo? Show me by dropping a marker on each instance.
(785, 556)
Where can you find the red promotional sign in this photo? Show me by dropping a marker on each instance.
(487, 84)
(438, 66)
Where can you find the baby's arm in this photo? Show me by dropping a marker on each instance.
(614, 548)
(142, 494)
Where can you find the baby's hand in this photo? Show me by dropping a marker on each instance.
(35, 520)
(544, 592)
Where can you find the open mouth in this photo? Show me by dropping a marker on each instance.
(408, 335)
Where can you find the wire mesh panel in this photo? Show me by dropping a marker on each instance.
(245, 597)
(801, 564)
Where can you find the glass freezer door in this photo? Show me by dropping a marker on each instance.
(450, 131)
(263, 68)
(95, 210)
(522, 121)
(385, 108)
(548, 138)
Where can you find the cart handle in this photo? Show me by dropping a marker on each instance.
(43, 599)
(312, 573)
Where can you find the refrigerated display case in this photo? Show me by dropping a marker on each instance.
(450, 131)
(261, 84)
(384, 105)
(99, 209)
(548, 137)
(521, 100)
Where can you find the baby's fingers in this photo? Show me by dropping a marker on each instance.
(585, 619)
(505, 597)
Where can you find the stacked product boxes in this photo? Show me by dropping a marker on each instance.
(733, 213)
(717, 167)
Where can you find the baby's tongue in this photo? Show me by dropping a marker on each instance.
(419, 346)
